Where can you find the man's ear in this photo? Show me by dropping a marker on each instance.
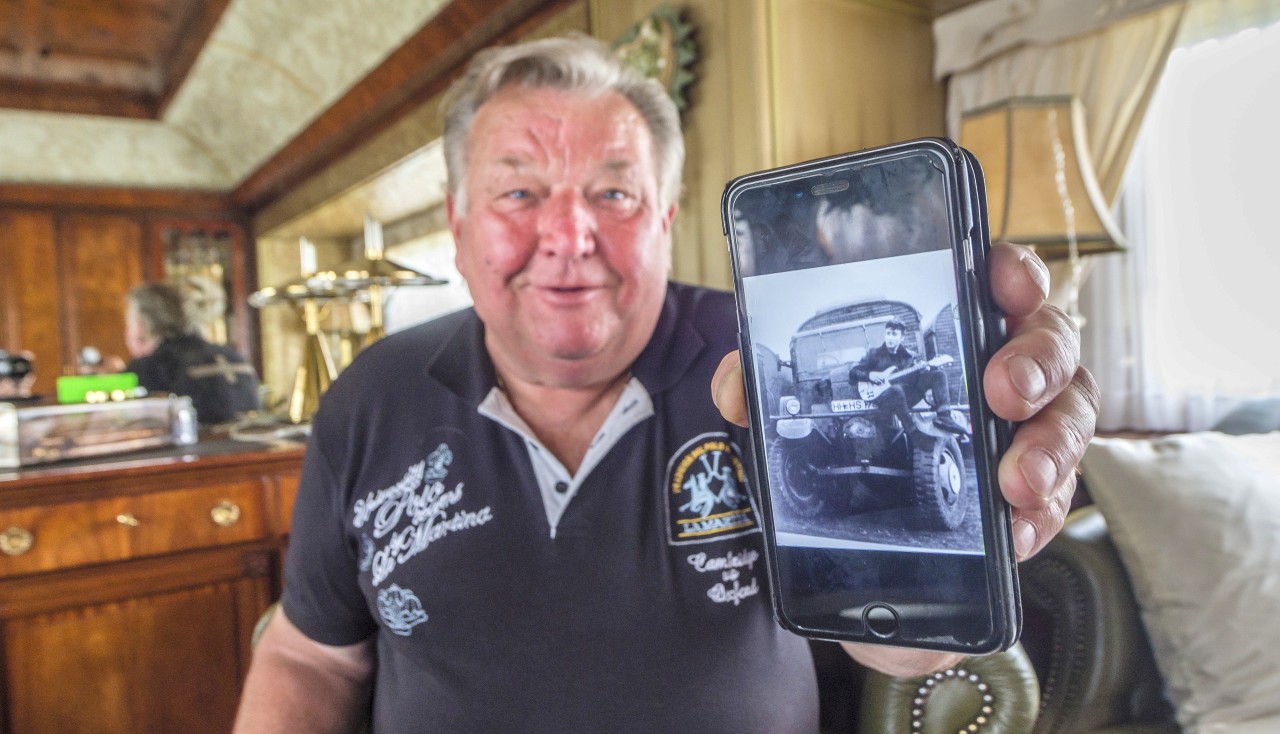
(668, 218)
(454, 217)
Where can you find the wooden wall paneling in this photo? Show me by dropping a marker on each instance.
(849, 75)
(100, 259)
(782, 81)
(726, 126)
(29, 303)
(249, 319)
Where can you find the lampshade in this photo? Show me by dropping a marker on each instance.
(1016, 141)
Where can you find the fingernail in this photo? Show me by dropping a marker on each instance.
(1038, 469)
(1027, 377)
(1038, 272)
(1024, 538)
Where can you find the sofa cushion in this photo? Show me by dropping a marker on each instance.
(1252, 416)
(1196, 520)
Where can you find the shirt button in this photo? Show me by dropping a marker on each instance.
(562, 487)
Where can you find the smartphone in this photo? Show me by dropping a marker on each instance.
(865, 322)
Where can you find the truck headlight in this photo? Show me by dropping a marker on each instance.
(791, 405)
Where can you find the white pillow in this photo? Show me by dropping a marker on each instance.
(1196, 520)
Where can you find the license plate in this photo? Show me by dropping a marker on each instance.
(848, 406)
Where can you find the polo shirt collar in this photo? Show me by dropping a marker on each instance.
(671, 352)
(462, 363)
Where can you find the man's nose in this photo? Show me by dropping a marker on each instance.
(566, 225)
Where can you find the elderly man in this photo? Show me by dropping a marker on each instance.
(493, 529)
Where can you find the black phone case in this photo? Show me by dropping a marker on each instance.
(982, 328)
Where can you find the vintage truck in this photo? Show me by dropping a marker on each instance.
(829, 448)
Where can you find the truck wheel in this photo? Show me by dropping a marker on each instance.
(938, 473)
(793, 472)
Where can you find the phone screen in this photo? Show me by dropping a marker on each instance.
(851, 289)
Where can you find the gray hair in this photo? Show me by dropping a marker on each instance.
(162, 310)
(577, 64)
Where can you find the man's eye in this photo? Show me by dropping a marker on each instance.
(616, 196)
(518, 194)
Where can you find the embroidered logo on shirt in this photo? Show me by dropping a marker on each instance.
(421, 498)
(367, 549)
(706, 489)
(731, 588)
(400, 609)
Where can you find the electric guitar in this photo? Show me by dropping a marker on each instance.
(872, 390)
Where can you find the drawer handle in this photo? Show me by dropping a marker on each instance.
(127, 519)
(225, 514)
(16, 541)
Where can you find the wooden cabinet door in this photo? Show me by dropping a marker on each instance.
(29, 308)
(159, 645)
(100, 258)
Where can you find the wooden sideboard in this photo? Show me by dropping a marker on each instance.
(129, 587)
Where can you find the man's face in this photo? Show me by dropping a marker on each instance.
(562, 242)
(892, 338)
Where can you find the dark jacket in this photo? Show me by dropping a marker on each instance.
(879, 359)
(220, 383)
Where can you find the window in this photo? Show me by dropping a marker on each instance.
(1201, 206)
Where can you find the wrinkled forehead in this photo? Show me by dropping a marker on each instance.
(551, 126)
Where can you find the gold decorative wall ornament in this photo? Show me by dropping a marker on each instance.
(661, 46)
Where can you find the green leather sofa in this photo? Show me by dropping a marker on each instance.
(1084, 664)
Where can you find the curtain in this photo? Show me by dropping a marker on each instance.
(1179, 326)
(1112, 70)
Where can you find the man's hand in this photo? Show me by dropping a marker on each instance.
(1035, 378)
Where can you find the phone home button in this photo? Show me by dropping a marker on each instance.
(881, 619)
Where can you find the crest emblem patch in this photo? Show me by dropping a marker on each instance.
(400, 609)
(707, 496)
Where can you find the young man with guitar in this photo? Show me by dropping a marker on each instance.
(895, 379)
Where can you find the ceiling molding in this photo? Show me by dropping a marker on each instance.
(191, 41)
(80, 99)
(418, 69)
(109, 197)
(124, 59)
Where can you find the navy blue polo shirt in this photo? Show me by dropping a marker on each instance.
(639, 603)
